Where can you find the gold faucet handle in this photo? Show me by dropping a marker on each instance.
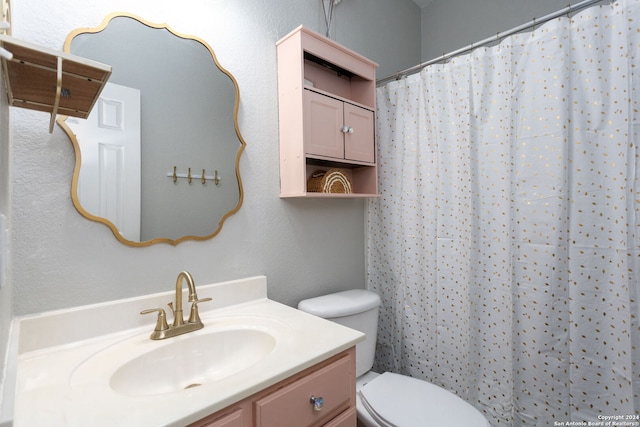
(161, 323)
(194, 317)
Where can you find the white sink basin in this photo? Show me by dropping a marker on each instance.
(139, 366)
(96, 365)
(192, 362)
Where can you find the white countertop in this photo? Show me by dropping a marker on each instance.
(56, 358)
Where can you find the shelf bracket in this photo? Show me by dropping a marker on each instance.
(56, 103)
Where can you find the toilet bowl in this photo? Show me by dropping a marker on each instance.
(415, 403)
(389, 399)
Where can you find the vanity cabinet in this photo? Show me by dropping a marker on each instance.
(326, 96)
(289, 403)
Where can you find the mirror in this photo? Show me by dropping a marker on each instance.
(158, 158)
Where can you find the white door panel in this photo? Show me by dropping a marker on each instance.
(109, 140)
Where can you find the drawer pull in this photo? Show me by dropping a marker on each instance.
(317, 402)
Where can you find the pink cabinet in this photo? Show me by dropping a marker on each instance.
(337, 129)
(326, 95)
(323, 395)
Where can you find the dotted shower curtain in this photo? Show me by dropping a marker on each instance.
(506, 243)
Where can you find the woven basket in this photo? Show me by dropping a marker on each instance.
(331, 181)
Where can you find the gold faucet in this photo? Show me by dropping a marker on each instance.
(179, 327)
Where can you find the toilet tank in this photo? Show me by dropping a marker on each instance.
(356, 309)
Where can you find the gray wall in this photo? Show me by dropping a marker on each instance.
(5, 279)
(448, 25)
(304, 247)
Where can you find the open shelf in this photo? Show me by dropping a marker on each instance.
(51, 81)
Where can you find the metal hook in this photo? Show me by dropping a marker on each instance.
(204, 180)
(175, 175)
(216, 178)
(189, 176)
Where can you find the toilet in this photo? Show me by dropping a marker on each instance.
(388, 399)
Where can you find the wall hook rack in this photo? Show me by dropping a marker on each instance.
(189, 176)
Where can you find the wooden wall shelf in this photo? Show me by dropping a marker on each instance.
(51, 81)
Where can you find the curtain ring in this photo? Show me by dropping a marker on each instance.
(175, 175)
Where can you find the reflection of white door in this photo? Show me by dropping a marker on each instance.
(109, 139)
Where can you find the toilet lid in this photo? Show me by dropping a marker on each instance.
(395, 400)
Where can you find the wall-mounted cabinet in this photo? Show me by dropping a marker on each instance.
(326, 95)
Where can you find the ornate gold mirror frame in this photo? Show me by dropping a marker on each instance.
(174, 240)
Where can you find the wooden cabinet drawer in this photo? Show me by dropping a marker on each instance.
(236, 418)
(346, 419)
(290, 406)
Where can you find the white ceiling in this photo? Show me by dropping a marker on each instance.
(422, 3)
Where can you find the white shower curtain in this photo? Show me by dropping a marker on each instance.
(506, 245)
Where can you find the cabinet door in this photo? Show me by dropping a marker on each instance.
(323, 134)
(359, 140)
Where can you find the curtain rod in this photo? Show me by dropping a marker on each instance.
(571, 8)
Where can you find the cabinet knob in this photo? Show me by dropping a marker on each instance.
(317, 402)
(350, 129)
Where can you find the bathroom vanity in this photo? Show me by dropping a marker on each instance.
(254, 363)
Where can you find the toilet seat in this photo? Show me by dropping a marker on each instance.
(395, 400)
